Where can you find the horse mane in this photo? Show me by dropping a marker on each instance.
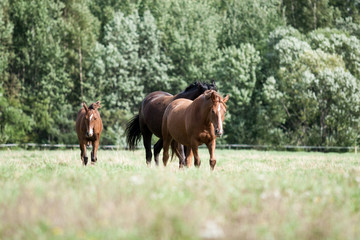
(197, 84)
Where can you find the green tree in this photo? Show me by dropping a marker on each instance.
(249, 21)
(104, 11)
(338, 42)
(348, 9)
(236, 75)
(308, 15)
(14, 124)
(40, 66)
(190, 36)
(312, 98)
(6, 29)
(80, 35)
(129, 65)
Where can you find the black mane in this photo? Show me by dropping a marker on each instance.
(91, 106)
(197, 84)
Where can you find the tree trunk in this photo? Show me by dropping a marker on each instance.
(81, 77)
(314, 15)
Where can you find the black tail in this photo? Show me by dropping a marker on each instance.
(132, 132)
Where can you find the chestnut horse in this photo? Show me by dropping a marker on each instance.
(192, 123)
(88, 129)
(149, 119)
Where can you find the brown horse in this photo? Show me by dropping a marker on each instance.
(88, 129)
(193, 123)
(149, 119)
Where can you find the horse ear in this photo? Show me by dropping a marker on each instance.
(207, 94)
(213, 96)
(97, 105)
(85, 107)
(225, 99)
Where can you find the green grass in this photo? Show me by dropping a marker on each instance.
(250, 195)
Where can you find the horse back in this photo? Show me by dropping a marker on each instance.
(152, 110)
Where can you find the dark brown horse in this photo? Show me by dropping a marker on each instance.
(88, 129)
(149, 119)
(192, 123)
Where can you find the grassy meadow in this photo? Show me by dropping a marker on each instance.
(250, 195)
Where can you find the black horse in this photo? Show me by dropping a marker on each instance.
(149, 119)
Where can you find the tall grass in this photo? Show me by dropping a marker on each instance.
(250, 195)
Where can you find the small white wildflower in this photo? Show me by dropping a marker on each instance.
(136, 180)
(211, 230)
(357, 179)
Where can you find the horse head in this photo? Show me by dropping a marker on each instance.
(217, 110)
(91, 117)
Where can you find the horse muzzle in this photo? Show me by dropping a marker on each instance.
(218, 132)
(89, 134)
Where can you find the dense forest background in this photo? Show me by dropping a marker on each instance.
(292, 68)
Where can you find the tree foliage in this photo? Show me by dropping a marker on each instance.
(292, 68)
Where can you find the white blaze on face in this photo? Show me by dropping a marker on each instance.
(91, 130)
(220, 120)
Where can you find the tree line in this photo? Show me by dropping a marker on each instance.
(291, 68)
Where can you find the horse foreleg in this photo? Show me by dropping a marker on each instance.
(84, 158)
(166, 144)
(211, 147)
(197, 161)
(94, 152)
(157, 148)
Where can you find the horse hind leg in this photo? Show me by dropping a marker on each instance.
(178, 149)
(182, 160)
(157, 148)
(166, 144)
(147, 144)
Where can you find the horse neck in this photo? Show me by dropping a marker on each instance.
(202, 106)
(191, 94)
(98, 120)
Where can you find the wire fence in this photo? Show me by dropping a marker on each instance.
(30, 146)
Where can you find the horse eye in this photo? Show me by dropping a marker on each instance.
(212, 110)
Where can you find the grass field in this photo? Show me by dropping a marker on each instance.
(250, 195)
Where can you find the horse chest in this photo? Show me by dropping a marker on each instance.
(205, 137)
(91, 139)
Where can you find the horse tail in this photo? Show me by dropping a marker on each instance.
(133, 132)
